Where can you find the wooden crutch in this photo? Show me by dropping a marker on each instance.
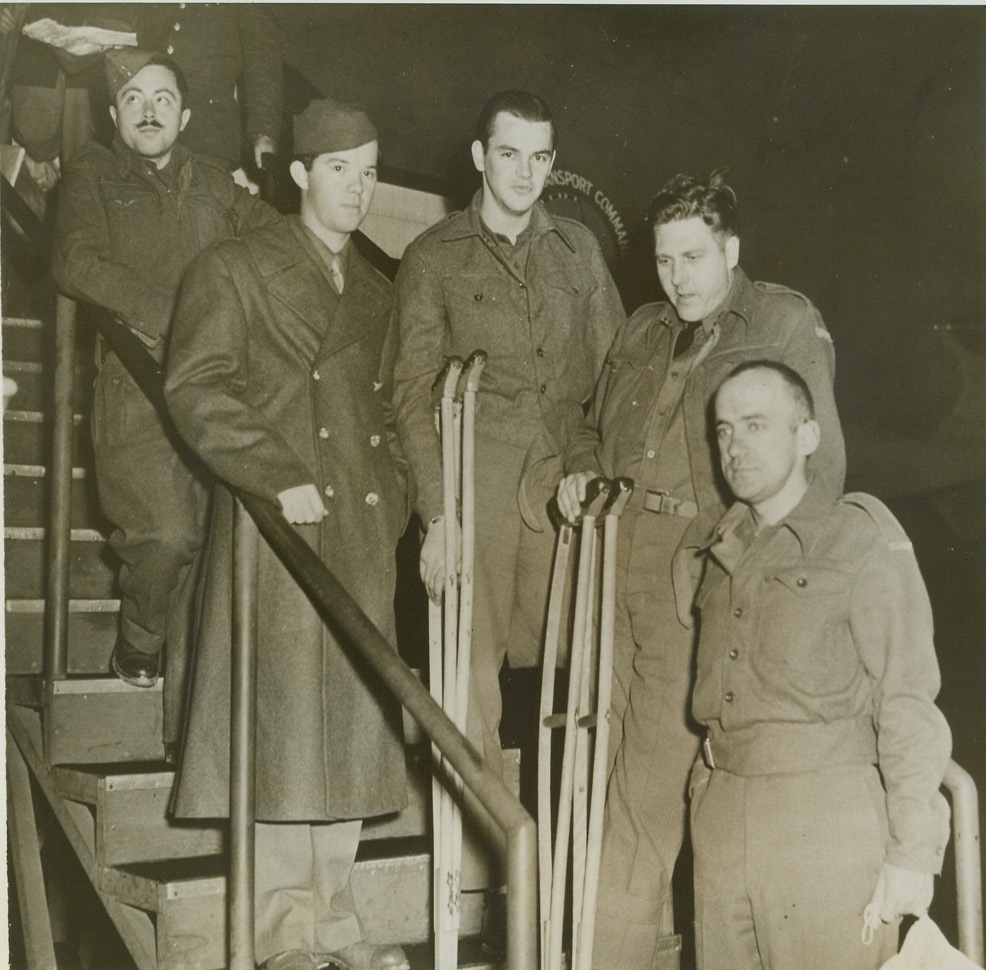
(556, 599)
(442, 631)
(596, 495)
(466, 392)
(583, 932)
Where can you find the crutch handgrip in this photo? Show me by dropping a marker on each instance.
(596, 495)
(620, 490)
(472, 371)
(447, 380)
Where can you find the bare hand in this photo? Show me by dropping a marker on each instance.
(571, 494)
(302, 505)
(263, 145)
(898, 892)
(43, 174)
(432, 562)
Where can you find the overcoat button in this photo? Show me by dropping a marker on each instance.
(330, 491)
(323, 432)
(802, 582)
(374, 441)
(372, 498)
(316, 376)
(729, 697)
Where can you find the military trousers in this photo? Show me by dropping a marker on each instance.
(303, 897)
(784, 867)
(157, 502)
(511, 578)
(653, 744)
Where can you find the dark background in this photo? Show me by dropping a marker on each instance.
(854, 138)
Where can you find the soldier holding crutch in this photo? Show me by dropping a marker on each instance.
(649, 420)
(533, 290)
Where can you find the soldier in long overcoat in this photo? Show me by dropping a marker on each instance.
(273, 379)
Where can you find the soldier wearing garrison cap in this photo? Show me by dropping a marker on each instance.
(130, 219)
(275, 380)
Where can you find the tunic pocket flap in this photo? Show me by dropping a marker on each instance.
(813, 580)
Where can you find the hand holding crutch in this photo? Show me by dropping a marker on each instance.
(582, 935)
(596, 495)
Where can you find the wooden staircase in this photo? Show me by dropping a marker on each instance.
(93, 745)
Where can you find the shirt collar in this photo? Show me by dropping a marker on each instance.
(737, 528)
(736, 304)
(134, 161)
(471, 223)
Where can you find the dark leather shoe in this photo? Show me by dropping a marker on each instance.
(366, 956)
(133, 666)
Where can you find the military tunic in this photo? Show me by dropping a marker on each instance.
(124, 235)
(816, 665)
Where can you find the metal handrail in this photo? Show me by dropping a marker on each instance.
(968, 861)
(331, 598)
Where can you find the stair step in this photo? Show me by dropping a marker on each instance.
(34, 385)
(25, 497)
(103, 720)
(92, 628)
(392, 895)
(131, 814)
(26, 435)
(133, 825)
(23, 339)
(92, 567)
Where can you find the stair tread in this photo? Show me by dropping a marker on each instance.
(15, 470)
(74, 605)
(38, 532)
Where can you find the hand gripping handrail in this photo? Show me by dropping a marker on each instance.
(331, 598)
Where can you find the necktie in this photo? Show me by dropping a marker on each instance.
(686, 338)
(336, 272)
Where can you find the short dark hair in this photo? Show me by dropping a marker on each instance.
(686, 196)
(521, 104)
(181, 82)
(798, 386)
(306, 158)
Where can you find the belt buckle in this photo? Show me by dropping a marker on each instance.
(710, 762)
(665, 503)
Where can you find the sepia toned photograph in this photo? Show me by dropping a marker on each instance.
(493, 485)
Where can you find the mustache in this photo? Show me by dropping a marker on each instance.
(150, 124)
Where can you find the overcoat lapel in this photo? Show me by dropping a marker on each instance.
(363, 304)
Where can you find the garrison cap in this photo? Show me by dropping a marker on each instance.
(122, 63)
(327, 125)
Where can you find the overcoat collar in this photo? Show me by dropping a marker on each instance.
(296, 276)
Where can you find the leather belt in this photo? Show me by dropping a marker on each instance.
(664, 504)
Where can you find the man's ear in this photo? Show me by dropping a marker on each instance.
(809, 435)
(113, 114)
(478, 156)
(299, 174)
(185, 115)
(732, 252)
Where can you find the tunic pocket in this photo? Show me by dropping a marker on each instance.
(804, 639)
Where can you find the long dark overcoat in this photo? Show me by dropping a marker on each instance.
(273, 380)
